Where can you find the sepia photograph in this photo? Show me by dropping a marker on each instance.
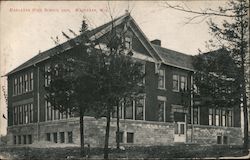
(124, 79)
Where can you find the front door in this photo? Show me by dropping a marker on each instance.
(180, 127)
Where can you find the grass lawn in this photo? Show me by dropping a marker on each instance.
(161, 152)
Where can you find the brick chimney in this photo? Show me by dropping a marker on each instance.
(156, 42)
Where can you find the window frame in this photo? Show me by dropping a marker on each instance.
(142, 106)
(164, 110)
(131, 141)
(163, 78)
(175, 80)
(183, 80)
(128, 42)
(125, 109)
(198, 114)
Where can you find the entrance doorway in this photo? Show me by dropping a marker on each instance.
(180, 127)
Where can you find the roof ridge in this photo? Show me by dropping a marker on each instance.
(155, 45)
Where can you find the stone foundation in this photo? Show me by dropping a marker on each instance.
(203, 134)
(141, 133)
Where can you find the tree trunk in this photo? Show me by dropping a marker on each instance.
(245, 144)
(243, 52)
(106, 145)
(118, 128)
(82, 134)
(245, 112)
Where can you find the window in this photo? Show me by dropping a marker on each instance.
(183, 83)
(19, 140)
(230, 118)
(56, 114)
(142, 70)
(225, 140)
(161, 110)
(29, 139)
(130, 137)
(23, 114)
(20, 108)
(48, 111)
(23, 83)
(70, 137)
(26, 83)
(161, 79)
(14, 140)
(31, 81)
(217, 117)
(24, 139)
(120, 138)
(48, 137)
(175, 82)
(55, 137)
(128, 109)
(139, 107)
(62, 137)
(210, 116)
(223, 118)
(195, 115)
(219, 139)
(15, 92)
(26, 114)
(47, 77)
(115, 112)
(31, 113)
(128, 42)
(15, 116)
(20, 85)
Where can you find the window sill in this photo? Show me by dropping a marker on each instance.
(164, 89)
(22, 93)
(175, 90)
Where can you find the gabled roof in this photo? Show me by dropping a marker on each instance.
(174, 58)
(158, 53)
(64, 46)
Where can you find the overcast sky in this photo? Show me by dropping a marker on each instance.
(27, 27)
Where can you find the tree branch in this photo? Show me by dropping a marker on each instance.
(207, 12)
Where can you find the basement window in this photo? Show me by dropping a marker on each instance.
(70, 137)
(225, 140)
(29, 139)
(62, 137)
(130, 137)
(24, 139)
(14, 140)
(48, 137)
(55, 137)
(19, 139)
(219, 139)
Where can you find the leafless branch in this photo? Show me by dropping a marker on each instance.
(206, 12)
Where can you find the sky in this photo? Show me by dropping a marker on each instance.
(27, 28)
